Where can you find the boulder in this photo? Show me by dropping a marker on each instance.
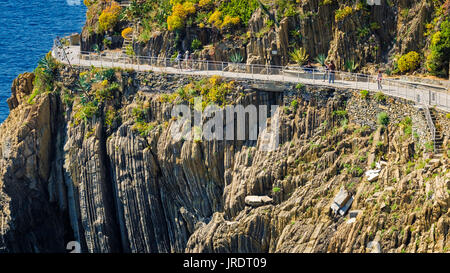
(342, 202)
(257, 201)
(374, 247)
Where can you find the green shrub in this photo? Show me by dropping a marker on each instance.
(130, 51)
(380, 97)
(239, 8)
(447, 115)
(276, 189)
(340, 113)
(364, 94)
(299, 86)
(429, 147)
(363, 32)
(383, 118)
(409, 62)
(406, 125)
(86, 112)
(438, 59)
(374, 26)
(196, 44)
(294, 105)
(43, 76)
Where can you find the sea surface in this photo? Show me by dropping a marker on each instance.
(27, 29)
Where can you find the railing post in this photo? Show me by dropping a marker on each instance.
(389, 86)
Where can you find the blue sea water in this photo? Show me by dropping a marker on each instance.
(28, 28)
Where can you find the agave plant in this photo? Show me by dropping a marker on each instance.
(351, 66)
(321, 59)
(96, 48)
(47, 64)
(236, 58)
(299, 56)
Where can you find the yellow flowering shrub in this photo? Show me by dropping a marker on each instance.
(215, 19)
(109, 16)
(179, 13)
(214, 80)
(409, 62)
(204, 3)
(342, 13)
(230, 21)
(126, 33)
(174, 22)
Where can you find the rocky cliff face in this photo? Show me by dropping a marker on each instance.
(372, 36)
(102, 181)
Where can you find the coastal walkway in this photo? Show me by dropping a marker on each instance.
(420, 93)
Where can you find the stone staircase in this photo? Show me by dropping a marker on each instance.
(435, 128)
(126, 43)
(439, 136)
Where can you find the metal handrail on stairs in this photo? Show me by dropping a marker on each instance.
(430, 124)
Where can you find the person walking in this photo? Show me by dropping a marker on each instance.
(178, 60)
(331, 68)
(186, 59)
(325, 71)
(379, 80)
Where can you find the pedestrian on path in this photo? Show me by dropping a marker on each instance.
(178, 60)
(331, 68)
(325, 71)
(309, 67)
(186, 59)
(379, 80)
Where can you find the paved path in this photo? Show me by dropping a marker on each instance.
(417, 92)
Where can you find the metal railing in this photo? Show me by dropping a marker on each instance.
(418, 92)
(430, 123)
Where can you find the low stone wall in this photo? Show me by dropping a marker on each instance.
(365, 112)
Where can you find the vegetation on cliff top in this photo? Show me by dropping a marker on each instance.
(231, 17)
